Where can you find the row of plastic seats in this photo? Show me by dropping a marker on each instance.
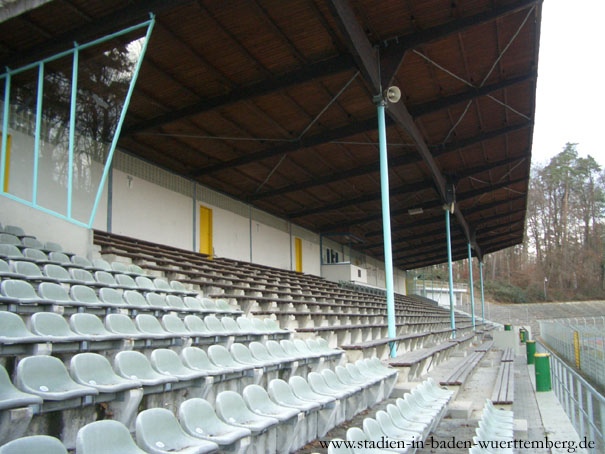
(47, 377)
(402, 425)
(28, 241)
(13, 230)
(495, 425)
(85, 330)
(17, 293)
(279, 420)
(52, 272)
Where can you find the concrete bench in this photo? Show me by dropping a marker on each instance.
(485, 346)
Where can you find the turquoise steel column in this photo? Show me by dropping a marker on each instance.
(7, 101)
(39, 99)
(449, 263)
(72, 128)
(482, 297)
(470, 273)
(386, 226)
(116, 134)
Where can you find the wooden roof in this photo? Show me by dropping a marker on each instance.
(271, 102)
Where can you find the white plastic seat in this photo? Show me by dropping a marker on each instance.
(119, 267)
(91, 326)
(111, 297)
(404, 420)
(6, 273)
(30, 271)
(259, 351)
(276, 350)
(19, 291)
(47, 377)
(53, 247)
(220, 356)
(31, 254)
(303, 348)
(273, 326)
(159, 432)
(372, 429)
(14, 230)
(289, 433)
(54, 327)
(181, 289)
(60, 258)
(194, 304)
(136, 269)
(123, 325)
(85, 296)
(83, 263)
(195, 358)
(281, 392)
(145, 284)
(232, 327)
(94, 370)
(197, 326)
(12, 252)
(11, 397)
(319, 385)
(14, 331)
(35, 444)
(291, 350)
(7, 238)
(303, 391)
(135, 299)
(412, 414)
(198, 419)
(135, 366)
(156, 301)
(102, 265)
(59, 274)
(232, 409)
(258, 401)
(106, 437)
(215, 326)
(125, 281)
(393, 431)
(151, 327)
(162, 286)
(176, 303)
(55, 294)
(242, 354)
(167, 362)
(85, 277)
(106, 279)
(174, 325)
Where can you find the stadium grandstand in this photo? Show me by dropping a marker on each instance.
(210, 215)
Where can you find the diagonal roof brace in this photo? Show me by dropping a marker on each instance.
(367, 61)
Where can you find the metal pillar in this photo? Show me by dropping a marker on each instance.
(386, 226)
(470, 273)
(451, 276)
(110, 197)
(482, 296)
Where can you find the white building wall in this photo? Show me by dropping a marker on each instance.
(155, 205)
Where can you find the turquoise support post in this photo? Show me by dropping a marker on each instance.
(470, 273)
(39, 99)
(482, 296)
(451, 276)
(386, 227)
(116, 134)
(72, 128)
(6, 113)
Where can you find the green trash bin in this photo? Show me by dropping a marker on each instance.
(522, 335)
(508, 327)
(542, 372)
(530, 349)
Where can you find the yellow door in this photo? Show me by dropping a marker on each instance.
(206, 231)
(7, 162)
(298, 252)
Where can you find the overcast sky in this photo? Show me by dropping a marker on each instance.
(571, 74)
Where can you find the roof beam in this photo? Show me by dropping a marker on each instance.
(367, 62)
(294, 145)
(371, 197)
(136, 10)
(442, 251)
(455, 239)
(398, 161)
(392, 55)
(468, 95)
(309, 72)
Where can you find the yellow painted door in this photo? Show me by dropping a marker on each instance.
(205, 230)
(7, 162)
(298, 252)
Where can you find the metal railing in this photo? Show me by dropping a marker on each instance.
(582, 403)
(581, 341)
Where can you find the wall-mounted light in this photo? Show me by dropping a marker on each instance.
(415, 211)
